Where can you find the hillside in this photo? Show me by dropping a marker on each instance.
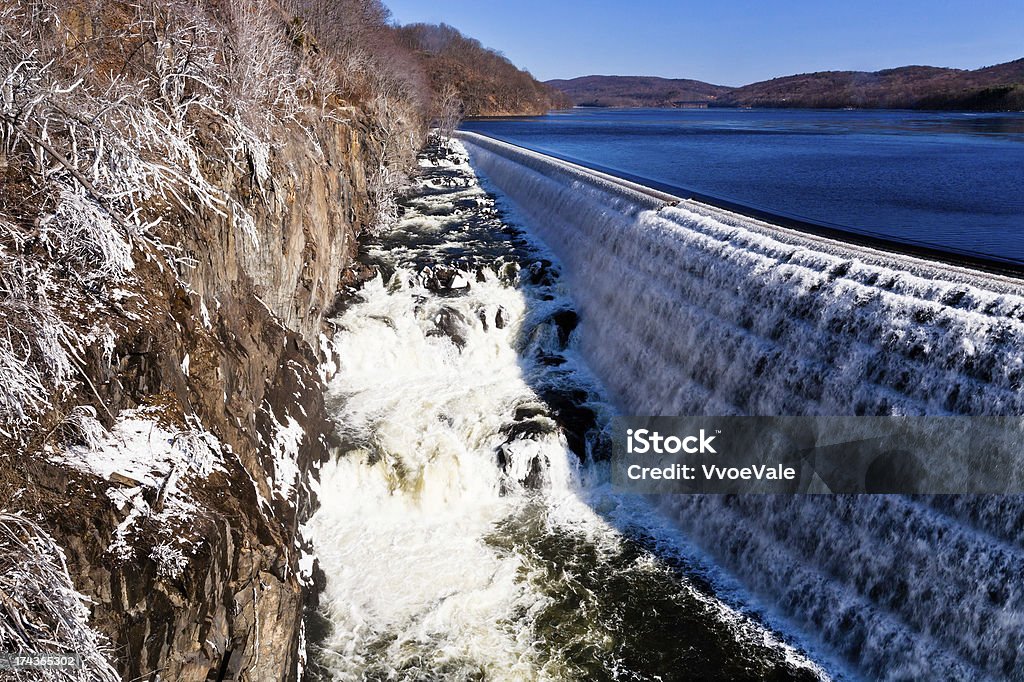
(993, 88)
(999, 87)
(475, 80)
(182, 190)
(636, 91)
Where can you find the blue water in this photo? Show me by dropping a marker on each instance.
(953, 180)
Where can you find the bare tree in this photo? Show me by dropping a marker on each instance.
(448, 109)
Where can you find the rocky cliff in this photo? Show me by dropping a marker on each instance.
(172, 241)
(230, 350)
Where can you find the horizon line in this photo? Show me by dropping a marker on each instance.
(785, 75)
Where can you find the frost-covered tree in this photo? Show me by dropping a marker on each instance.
(119, 122)
(40, 610)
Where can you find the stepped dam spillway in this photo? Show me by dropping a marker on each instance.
(686, 309)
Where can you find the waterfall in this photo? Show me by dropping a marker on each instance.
(465, 532)
(686, 309)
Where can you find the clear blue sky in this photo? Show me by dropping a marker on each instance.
(731, 42)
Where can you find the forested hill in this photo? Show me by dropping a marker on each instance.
(637, 91)
(478, 80)
(994, 88)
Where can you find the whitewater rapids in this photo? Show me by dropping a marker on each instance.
(465, 530)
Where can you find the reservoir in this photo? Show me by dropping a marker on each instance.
(947, 179)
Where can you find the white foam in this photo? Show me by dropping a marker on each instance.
(414, 585)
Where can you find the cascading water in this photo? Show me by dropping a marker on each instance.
(464, 531)
(689, 310)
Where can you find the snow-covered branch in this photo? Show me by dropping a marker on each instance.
(40, 610)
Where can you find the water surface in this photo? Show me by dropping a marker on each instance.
(954, 180)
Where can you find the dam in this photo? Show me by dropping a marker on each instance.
(469, 529)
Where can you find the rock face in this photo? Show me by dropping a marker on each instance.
(251, 371)
(236, 351)
(307, 235)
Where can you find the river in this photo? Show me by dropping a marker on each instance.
(468, 530)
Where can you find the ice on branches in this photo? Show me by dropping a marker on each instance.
(40, 611)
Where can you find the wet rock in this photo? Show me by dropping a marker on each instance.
(450, 323)
(549, 360)
(531, 421)
(535, 479)
(508, 272)
(444, 280)
(386, 321)
(529, 411)
(486, 320)
(530, 429)
(541, 273)
(565, 321)
(569, 410)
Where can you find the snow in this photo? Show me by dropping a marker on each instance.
(205, 313)
(306, 562)
(141, 454)
(328, 367)
(141, 448)
(286, 452)
(170, 562)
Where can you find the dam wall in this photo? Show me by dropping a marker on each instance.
(686, 309)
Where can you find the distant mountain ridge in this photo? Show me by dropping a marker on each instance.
(637, 91)
(993, 88)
